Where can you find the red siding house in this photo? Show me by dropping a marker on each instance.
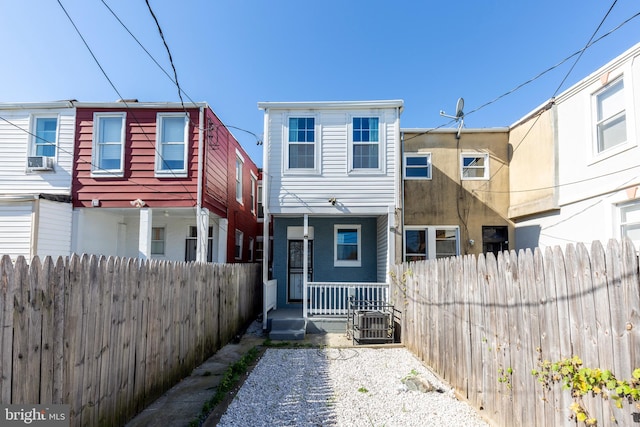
(161, 181)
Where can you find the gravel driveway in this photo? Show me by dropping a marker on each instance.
(346, 387)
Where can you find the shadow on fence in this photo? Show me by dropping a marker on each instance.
(109, 335)
(485, 323)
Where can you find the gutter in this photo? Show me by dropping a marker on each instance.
(200, 179)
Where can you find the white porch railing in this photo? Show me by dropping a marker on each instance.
(270, 300)
(332, 298)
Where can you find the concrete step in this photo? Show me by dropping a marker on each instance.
(288, 329)
(327, 325)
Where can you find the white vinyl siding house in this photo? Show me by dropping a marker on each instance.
(330, 168)
(598, 173)
(35, 194)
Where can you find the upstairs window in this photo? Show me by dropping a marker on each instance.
(417, 166)
(347, 246)
(366, 143)
(611, 119)
(45, 136)
(253, 193)
(474, 166)
(239, 164)
(108, 147)
(172, 144)
(301, 143)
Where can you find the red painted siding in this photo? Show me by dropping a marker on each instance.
(138, 180)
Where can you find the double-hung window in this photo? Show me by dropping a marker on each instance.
(254, 181)
(474, 166)
(108, 149)
(430, 242)
(239, 164)
(157, 241)
(171, 140)
(366, 143)
(417, 166)
(45, 131)
(630, 221)
(611, 119)
(347, 246)
(301, 143)
(238, 245)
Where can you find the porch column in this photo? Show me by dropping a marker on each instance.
(203, 234)
(223, 239)
(144, 240)
(305, 264)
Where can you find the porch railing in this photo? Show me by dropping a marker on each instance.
(270, 300)
(332, 298)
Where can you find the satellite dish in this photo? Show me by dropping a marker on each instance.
(459, 108)
(459, 113)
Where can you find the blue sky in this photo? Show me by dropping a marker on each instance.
(235, 53)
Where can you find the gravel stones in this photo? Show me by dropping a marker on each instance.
(346, 387)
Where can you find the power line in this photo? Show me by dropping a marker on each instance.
(118, 92)
(174, 82)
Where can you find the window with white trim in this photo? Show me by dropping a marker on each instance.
(347, 246)
(239, 164)
(238, 245)
(171, 137)
(474, 166)
(430, 242)
(301, 143)
(253, 193)
(417, 166)
(260, 206)
(365, 135)
(45, 136)
(157, 241)
(108, 143)
(630, 221)
(611, 119)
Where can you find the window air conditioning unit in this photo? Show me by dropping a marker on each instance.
(40, 163)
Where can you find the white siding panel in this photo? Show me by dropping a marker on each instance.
(15, 229)
(383, 248)
(54, 229)
(299, 193)
(14, 149)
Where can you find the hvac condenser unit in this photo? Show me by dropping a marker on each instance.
(371, 327)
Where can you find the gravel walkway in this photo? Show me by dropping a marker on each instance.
(345, 387)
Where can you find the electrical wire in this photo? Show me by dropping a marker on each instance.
(174, 82)
(120, 96)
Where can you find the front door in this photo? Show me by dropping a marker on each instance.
(295, 275)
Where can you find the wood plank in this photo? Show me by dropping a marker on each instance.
(20, 394)
(7, 290)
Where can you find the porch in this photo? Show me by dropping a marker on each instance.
(326, 309)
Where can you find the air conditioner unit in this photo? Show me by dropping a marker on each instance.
(40, 163)
(372, 327)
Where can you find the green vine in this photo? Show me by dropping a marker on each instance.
(581, 381)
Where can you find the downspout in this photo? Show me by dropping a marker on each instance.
(199, 246)
(266, 219)
(402, 199)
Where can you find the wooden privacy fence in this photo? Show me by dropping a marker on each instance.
(485, 323)
(109, 335)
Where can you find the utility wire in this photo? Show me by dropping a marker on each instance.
(166, 46)
(173, 81)
(118, 92)
(566, 76)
